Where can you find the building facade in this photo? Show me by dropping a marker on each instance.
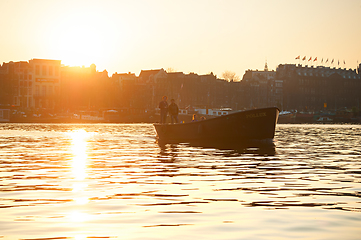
(85, 88)
(32, 84)
(45, 83)
(319, 88)
(261, 89)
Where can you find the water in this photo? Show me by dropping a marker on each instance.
(100, 181)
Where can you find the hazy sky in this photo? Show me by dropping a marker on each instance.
(200, 36)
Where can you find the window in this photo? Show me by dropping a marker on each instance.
(37, 91)
(37, 70)
(50, 70)
(56, 70)
(43, 90)
(50, 90)
(44, 70)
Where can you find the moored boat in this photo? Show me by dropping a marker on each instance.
(235, 128)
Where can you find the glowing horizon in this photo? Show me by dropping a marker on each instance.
(189, 36)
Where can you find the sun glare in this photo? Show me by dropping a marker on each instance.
(81, 38)
(80, 46)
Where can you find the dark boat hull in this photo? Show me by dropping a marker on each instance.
(240, 127)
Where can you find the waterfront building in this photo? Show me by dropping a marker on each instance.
(45, 84)
(32, 84)
(319, 88)
(152, 82)
(121, 78)
(85, 88)
(193, 90)
(8, 81)
(16, 86)
(261, 89)
(189, 90)
(131, 92)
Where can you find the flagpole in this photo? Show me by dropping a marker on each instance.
(299, 59)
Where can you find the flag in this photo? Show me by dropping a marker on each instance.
(304, 58)
(332, 61)
(315, 59)
(338, 62)
(344, 62)
(326, 61)
(298, 57)
(322, 60)
(310, 59)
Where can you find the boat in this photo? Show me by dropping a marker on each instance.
(286, 117)
(324, 119)
(235, 128)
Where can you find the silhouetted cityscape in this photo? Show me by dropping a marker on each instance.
(46, 87)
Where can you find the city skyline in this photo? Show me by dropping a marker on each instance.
(187, 36)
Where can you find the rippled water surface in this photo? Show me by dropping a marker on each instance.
(68, 181)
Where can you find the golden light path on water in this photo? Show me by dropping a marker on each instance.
(100, 181)
(79, 166)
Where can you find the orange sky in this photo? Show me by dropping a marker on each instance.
(200, 36)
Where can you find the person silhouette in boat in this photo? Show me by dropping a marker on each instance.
(163, 105)
(173, 111)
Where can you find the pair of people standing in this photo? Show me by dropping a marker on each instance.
(165, 108)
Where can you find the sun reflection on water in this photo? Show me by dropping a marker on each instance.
(79, 148)
(77, 216)
(79, 141)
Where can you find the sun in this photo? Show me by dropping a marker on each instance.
(81, 39)
(80, 47)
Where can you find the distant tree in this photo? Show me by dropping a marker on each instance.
(230, 76)
(170, 70)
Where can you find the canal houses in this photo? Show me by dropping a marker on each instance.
(48, 85)
(309, 88)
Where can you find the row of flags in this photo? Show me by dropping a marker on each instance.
(315, 59)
